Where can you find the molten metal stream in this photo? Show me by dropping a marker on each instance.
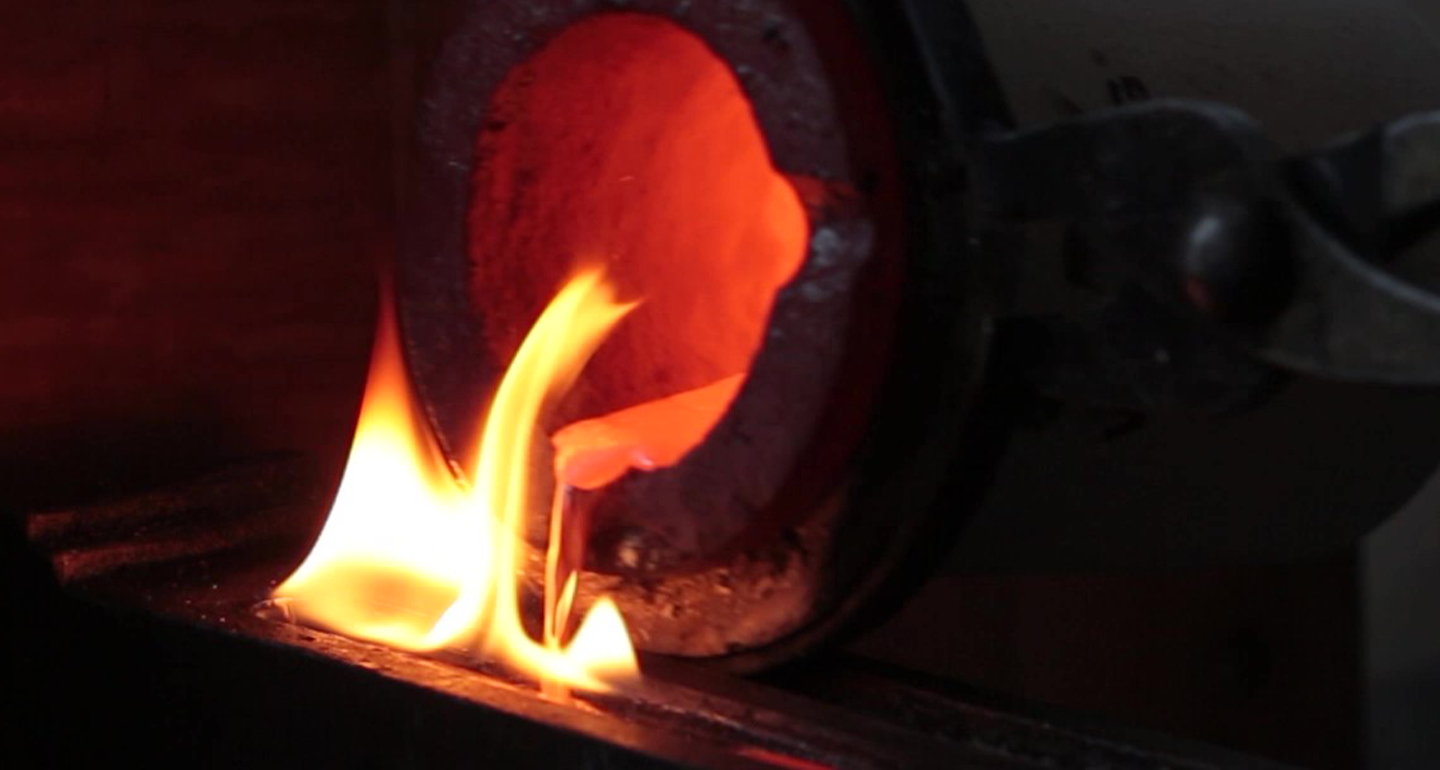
(416, 559)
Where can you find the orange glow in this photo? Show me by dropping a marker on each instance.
(627, 136)
(413, 558)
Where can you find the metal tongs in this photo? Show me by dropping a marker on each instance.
(1208, 263)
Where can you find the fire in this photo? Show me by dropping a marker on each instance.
(415, 558)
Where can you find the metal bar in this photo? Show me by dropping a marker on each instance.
(682, 715)
(253, 502)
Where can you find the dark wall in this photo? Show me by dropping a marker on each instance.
(193, 196)
(1260, 659)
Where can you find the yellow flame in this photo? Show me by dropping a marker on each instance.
(412, 558)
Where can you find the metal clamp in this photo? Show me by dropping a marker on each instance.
(1187, 205)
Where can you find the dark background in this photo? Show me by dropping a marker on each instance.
(193, 198)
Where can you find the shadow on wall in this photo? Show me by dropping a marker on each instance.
(1401, 595)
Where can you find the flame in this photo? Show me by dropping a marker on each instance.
(414, 558)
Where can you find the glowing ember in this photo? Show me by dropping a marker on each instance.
(415, 559)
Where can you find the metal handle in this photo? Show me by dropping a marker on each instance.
(1215, 254)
